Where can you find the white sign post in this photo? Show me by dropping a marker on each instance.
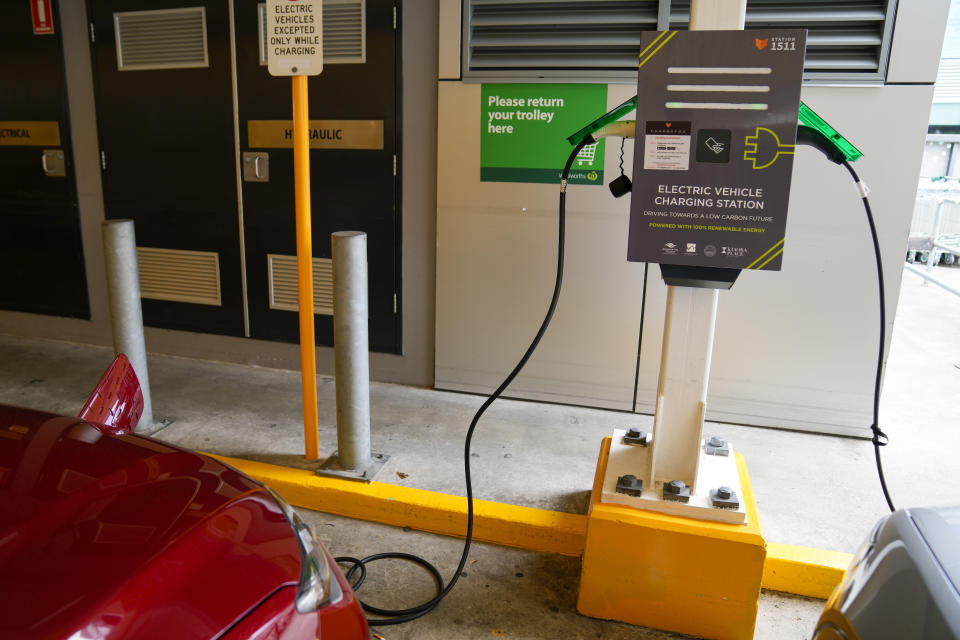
(294, 37)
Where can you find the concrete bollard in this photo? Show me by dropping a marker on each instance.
(351, 361)
(126, 315)
(351, 348)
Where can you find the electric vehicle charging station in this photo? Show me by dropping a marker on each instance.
(716, 126)
(691, 558)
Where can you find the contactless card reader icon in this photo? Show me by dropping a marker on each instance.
(713, 145)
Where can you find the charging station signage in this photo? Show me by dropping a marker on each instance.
(713, 158)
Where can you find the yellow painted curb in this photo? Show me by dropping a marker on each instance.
(798, 570)
(803, 571)
(503, 524)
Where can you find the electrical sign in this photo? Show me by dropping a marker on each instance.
(716, 128)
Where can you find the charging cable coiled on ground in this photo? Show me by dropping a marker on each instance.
(358, 571)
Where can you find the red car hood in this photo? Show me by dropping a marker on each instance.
(105, 536)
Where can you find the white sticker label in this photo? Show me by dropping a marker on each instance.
(666, 152)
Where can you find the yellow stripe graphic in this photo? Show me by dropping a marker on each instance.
(652, 44)
(768, 260)
(644, 61)
(766, 253)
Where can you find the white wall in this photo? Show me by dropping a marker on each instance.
(798, 348)
(495, 274)
(794, 349)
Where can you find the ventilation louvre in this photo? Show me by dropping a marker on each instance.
(599, 39)
(846, 40)
(161, 39)
(947, 88)
(282, 277)
(179, 276)
(344, 32)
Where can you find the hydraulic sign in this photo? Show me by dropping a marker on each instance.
(714, 151)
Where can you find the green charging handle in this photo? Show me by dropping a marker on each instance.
(611, 116)
(809, 117)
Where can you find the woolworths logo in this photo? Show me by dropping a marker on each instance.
(592, 176)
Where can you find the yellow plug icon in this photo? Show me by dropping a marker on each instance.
(757, 147)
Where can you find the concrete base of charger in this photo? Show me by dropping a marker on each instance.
(669, 572)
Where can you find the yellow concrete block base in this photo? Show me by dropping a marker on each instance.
(673, 573)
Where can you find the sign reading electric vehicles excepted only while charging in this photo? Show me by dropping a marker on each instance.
(523, 130)
(716, 127)
(294, 37)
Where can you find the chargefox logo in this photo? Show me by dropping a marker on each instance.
(761, 44)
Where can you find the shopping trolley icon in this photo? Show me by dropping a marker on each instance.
(587, 154)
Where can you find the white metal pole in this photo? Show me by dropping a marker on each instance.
(688, 330)
(351, 349)
(717, 15)
(126, 315)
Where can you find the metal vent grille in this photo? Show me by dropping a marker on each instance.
(161, 39)
(282, 278)
(344, 31)
(560, 38)
(947, 88)
(599, 39)
(846, 39)
(179, 276)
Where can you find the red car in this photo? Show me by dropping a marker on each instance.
(106, 534)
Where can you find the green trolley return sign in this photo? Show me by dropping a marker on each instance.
(524, 129)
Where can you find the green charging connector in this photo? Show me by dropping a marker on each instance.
(611, 116)
(808, 117)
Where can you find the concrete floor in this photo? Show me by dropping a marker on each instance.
(508, 593)
(812, 490)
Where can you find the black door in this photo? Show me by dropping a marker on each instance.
(165, 117)
(353, 172)
(41, 254)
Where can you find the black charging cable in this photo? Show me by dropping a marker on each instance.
(358, 569)
(811, 137)
(879, 437)
(621, 185)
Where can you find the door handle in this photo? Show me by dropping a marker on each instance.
(256, 166)
(53, 163)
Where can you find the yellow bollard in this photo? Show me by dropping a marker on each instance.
(308, 354)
